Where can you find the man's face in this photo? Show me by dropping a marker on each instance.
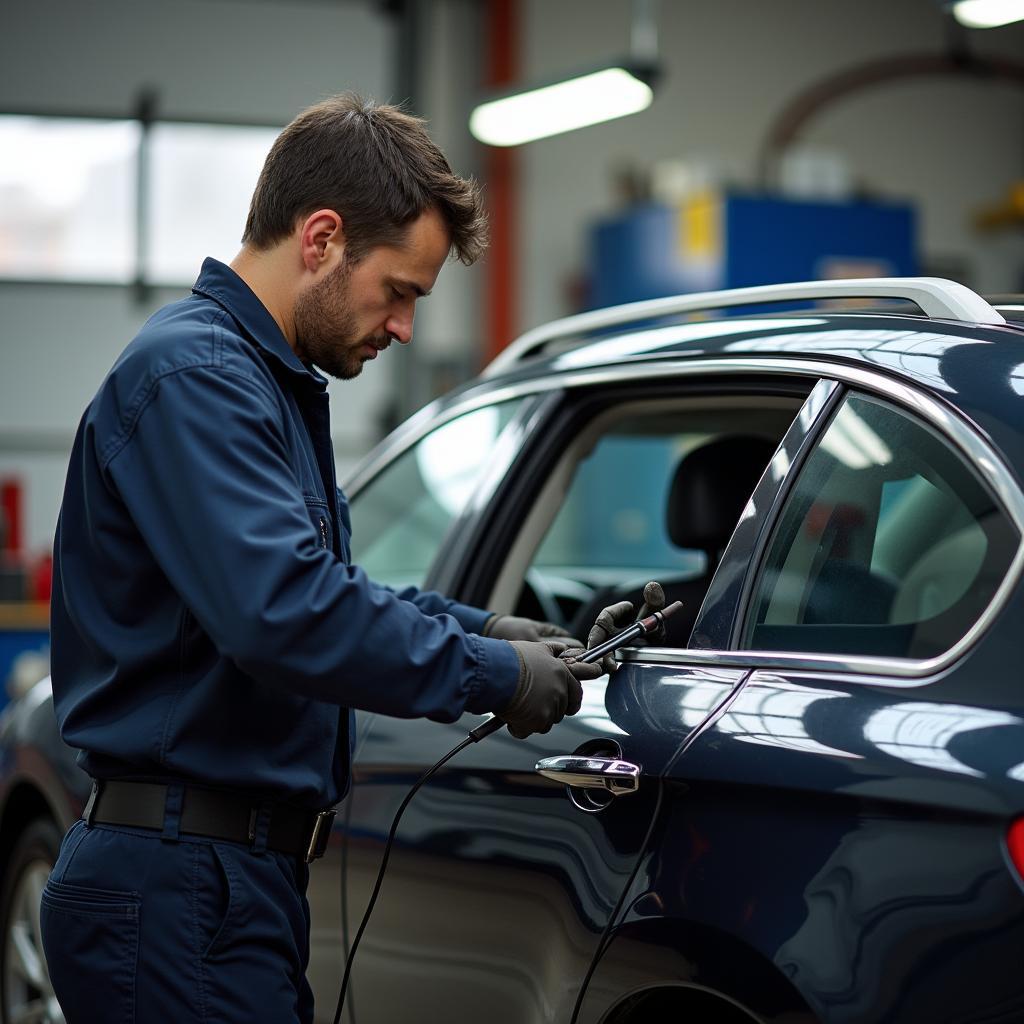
(357, 309)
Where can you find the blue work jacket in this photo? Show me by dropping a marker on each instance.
(206, 623)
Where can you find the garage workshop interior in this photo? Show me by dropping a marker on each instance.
(361, 361)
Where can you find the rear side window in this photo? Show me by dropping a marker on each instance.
(889, 545)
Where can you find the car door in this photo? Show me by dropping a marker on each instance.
(502, 882)
(410, 499)
(835, 840)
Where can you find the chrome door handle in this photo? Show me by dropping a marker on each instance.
(608, 773)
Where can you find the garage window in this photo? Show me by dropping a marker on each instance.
(70, 203)
(67, 199)
(889, 545)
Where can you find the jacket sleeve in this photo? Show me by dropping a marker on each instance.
(204, 473)
(430, 602)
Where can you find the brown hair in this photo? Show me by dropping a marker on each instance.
(375, 166)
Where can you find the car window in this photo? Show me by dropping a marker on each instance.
(400, 518)
(612, 528)
(646, 491)
(889, 544)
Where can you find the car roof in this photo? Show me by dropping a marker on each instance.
(971, 356)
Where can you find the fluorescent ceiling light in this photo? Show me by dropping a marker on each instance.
(988, 13)
(552, 109)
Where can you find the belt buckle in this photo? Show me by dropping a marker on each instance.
(321, 833)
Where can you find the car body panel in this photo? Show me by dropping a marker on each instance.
(813, 838)
(32, 754)
(499, 886)
(855, 837)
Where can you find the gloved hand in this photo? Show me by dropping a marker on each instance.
(549, 687)
(611, 620)
(512, 627)
(616, 617)
(654, 601)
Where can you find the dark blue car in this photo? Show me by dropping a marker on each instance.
(826, 820)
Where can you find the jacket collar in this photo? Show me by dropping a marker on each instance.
(219, 282)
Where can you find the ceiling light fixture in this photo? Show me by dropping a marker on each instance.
(988, 13)
(563, 106)
(610, 91)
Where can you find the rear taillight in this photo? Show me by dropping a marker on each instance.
(1015, 846)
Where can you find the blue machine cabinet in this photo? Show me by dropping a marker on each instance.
(23, 627)
(729, 240)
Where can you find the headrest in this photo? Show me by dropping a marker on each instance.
(710, 489)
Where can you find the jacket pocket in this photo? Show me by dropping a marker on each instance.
(91, 942)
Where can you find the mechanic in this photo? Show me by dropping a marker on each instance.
(210, 636)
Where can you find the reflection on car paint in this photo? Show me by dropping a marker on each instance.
(815, 402)
(779, 466)
(772, 713)
(643, 342)
(843, 949)
(592, 714)
(916, 352)
(646, 700)
(921, 733)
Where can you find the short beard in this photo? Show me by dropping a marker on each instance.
(325, 327)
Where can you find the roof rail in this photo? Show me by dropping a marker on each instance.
(935, 296)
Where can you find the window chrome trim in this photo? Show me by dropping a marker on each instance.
(894, 671)
(958, 431)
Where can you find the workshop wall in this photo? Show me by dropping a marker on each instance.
(950, 145)
(947, 145)
(248, 59)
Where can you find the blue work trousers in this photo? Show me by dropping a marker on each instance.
(140, 929)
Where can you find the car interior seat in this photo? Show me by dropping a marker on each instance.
(846, 590)
(709, 489)
(942, 576)
(711, 486)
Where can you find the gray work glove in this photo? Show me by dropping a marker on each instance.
(512, 627)
(611, 620)
(549, 687)
(616, 617)
(654, 601)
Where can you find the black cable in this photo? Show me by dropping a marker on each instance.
(641, 627)
(383, 867)
(605, 941)
(344, 900)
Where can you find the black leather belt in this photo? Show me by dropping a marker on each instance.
(212, 813)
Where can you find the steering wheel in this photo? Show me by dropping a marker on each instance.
(553, 598)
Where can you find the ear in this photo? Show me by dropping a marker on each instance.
(321, 240)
